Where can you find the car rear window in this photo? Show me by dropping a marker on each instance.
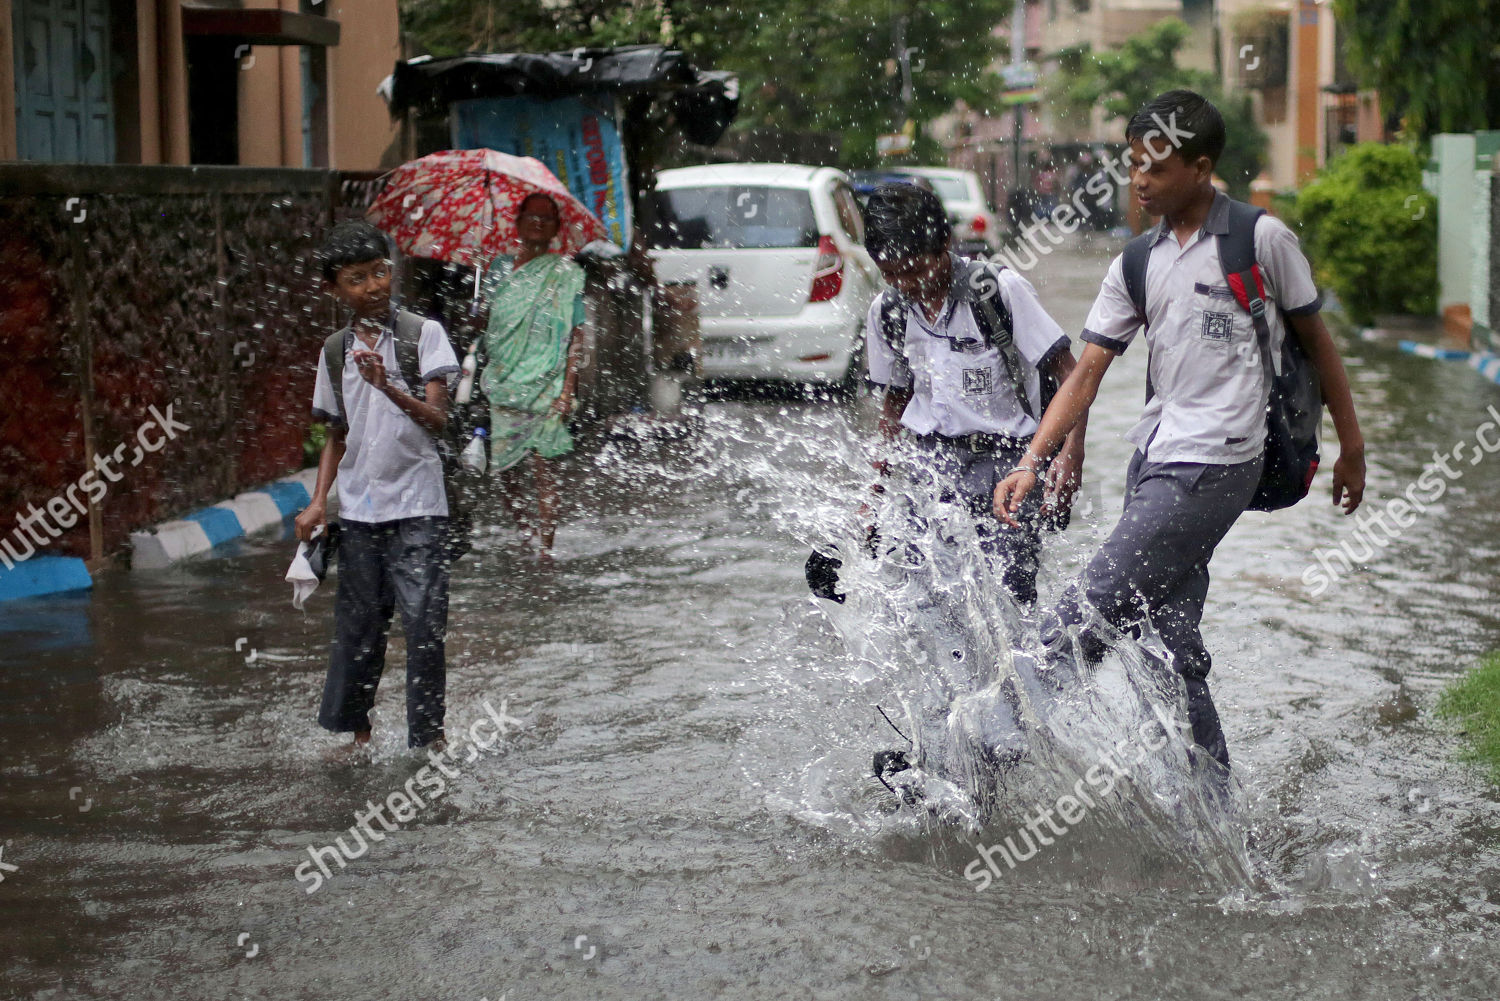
(950, 189)
(734, 216)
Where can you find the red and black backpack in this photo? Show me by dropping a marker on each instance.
(1295, 406)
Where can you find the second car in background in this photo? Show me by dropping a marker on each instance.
(775, 253)
(976, 230)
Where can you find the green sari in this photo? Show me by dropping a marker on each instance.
(532, 315)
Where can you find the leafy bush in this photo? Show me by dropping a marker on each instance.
(1371, 231)
(312, 445)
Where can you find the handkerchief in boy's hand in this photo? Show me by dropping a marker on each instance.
(310, 565)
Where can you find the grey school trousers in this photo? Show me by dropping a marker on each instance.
(383, 566)
(1155, 563)
(956, 471)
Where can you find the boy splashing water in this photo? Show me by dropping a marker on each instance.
(1201, 439)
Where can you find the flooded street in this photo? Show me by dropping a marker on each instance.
(685, 808)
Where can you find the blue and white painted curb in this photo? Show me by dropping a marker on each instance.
(1483, 362)
(1487, 365)
(200, 531)
(44, 575)
(1435, 353)
(170, 541)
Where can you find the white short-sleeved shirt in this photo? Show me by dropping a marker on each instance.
(959, 385)
(390, 468)
(1206, 370)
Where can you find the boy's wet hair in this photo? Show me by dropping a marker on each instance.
(352, 242)
(1198, 129)
(902, 221)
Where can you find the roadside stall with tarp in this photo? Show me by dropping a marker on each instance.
(599, 119)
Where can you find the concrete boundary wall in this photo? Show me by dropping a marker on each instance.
(137, 297)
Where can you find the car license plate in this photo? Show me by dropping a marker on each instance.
(729, 350)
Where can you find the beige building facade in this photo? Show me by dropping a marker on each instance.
(1286, 54)
(276, 83)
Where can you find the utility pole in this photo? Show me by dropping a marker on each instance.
(903, 63)
(1017, 60)
(903, 54)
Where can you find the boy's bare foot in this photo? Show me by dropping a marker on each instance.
(343, 752)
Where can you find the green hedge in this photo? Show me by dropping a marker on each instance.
(1371, 231)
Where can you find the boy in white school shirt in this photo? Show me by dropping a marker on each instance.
(960, 349)
(1200, 441)
(392, 504)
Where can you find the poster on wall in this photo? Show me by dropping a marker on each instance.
(578, 138)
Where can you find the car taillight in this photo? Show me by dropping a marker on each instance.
(978, 224)
(828, 271)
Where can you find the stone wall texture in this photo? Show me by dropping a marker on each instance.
(128, 288)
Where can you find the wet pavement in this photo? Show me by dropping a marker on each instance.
(683, 809)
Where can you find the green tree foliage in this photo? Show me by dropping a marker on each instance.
(452, 27)
(1125, 78)
(828, 65)
(1371, 231)
(1436, 62)
(1121, 80)
(820, 65)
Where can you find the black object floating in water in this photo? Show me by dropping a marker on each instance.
(823, 576)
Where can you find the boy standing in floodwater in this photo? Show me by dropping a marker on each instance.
(1201, 439)
(392, 502)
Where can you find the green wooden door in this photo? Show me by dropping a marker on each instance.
(64, 88)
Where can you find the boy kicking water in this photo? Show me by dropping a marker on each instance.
(1201, 439)
(961, 349)
(392, 503)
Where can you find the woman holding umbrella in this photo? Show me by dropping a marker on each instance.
(532, 343)
(470, 207)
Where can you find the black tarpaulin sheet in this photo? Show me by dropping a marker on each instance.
(703, 103)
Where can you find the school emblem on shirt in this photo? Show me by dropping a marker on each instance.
(1218, 326)
(979, 382)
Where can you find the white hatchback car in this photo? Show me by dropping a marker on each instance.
(975, 228)
(776, 252)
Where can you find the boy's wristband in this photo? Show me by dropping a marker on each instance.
(1030, 464)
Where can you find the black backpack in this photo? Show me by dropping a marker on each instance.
(449, 443)
(1295, 407)
(979, 286)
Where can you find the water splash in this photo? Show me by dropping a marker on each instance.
(999, 728)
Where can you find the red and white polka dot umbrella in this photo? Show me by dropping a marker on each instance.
(460, 205)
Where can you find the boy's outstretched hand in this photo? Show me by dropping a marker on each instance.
(1010, 492)
(1349, 479)
(1349, 470)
